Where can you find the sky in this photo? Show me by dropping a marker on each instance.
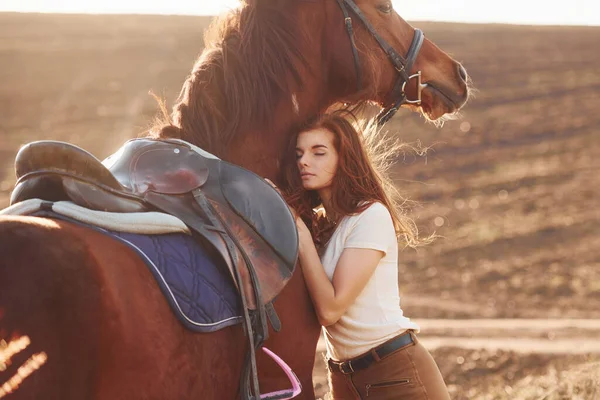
(535, 12)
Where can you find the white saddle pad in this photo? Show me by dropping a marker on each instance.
(149, 223)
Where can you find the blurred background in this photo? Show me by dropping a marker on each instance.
(509, 297)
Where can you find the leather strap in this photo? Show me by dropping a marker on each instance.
(403, 66)
(357, 364)
(350, 30)
(249, 379)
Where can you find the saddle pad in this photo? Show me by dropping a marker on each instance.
(149, 223)
(200, 292)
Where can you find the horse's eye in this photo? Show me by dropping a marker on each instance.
(385, 8)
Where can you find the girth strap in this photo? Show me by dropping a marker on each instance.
(255, 339)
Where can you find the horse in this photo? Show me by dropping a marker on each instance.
(89, 304)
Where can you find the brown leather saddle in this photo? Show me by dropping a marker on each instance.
(227, 207)
(171, 177)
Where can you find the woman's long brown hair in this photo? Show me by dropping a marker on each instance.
(360, 180)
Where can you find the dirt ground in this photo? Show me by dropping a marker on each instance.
(511, 188)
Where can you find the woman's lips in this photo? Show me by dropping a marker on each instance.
(306, 175)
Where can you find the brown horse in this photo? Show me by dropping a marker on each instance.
(92, 306)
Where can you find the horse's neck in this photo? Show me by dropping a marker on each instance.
(261, 150)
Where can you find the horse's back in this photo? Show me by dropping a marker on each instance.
(91, 305)
(48, 294)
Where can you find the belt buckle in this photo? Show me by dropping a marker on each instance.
(341, 368)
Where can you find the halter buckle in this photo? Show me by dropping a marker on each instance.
(420, 87)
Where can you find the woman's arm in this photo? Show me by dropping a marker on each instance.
(353, 270)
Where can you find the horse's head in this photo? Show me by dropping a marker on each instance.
(270, 65)
(390, 61)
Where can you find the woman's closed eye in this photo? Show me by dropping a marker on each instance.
(299, 156)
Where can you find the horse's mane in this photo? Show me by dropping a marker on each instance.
(249, 65)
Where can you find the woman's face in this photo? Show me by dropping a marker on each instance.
(317, 158)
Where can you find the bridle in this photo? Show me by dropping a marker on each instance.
(402, 65)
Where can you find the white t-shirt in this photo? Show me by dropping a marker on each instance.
(375, 316)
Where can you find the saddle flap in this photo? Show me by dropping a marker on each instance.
(267, 267)
(263, 208)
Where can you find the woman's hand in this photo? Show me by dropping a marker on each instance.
(304, 234)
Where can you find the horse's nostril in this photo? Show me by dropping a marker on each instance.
(462, 72)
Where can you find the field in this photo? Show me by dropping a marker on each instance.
(511, 188)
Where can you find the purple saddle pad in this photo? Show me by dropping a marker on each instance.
(197, 286)
(199, 290)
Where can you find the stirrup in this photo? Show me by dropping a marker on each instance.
(285, 394)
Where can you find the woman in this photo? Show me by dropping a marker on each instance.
(372, 348)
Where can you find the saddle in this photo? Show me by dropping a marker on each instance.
(232, 210)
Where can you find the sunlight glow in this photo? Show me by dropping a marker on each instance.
(577, 12)
(7, 350)
(33, 363)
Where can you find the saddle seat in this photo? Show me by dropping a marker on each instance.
(213, 197)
